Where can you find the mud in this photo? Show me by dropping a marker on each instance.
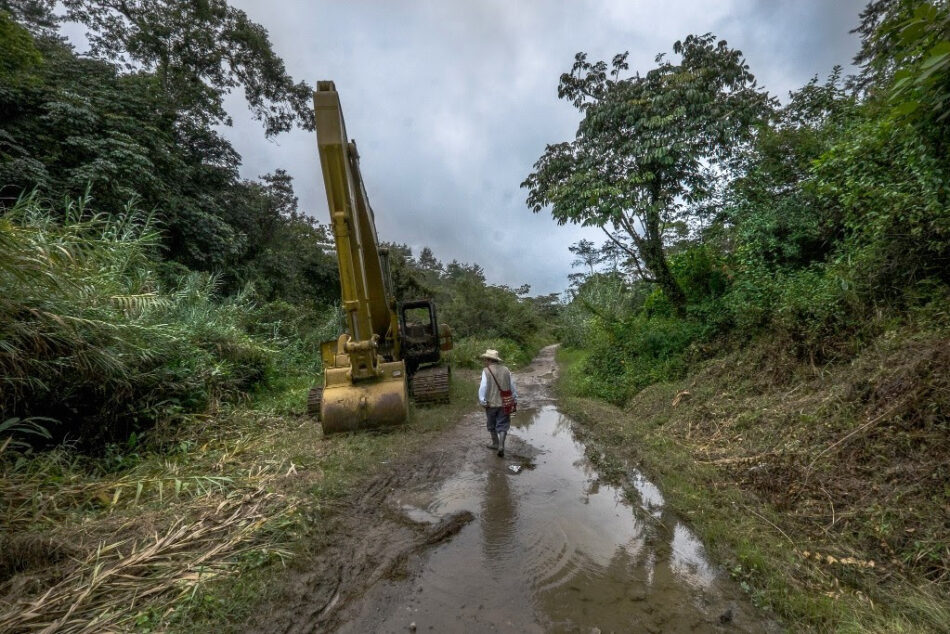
(455, 540)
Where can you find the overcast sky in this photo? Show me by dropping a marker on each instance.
(452, 101)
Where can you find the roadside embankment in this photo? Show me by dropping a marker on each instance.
(824, 491)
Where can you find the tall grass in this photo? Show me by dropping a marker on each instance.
(90, 337)
(466, 352)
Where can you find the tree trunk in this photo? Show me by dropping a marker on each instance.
(655, 259)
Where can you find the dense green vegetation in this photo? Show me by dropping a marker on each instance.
(770, 310)
(97, 344)
(820, 221)
(481, 315)
(142, 280)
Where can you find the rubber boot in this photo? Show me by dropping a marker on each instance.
(501, 443)
(494, 441)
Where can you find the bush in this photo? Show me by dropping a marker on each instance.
(700, 272)
(295, 332)
(466, 351)
(628, 355)
(891, 188)
(89, 337)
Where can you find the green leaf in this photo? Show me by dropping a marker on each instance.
(932, 64)
(912, 32)
(906, 108)
(925, 12)
(940, 48)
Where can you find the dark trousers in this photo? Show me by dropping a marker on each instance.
(497, 420)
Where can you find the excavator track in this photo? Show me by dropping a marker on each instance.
(314, 399)
(430, 385)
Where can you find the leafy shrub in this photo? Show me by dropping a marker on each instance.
(892, 190)
(89, 337)
(602, 296)
(700, 272)
(466, 351)
(628, 355)
(816, 310)
(294, 332)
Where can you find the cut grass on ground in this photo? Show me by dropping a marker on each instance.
(186, 534)
(823, 492)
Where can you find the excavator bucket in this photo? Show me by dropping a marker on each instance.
(348, 405)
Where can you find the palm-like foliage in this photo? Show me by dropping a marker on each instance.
(88, 335)
(64, 288)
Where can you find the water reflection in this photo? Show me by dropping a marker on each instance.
(557, 548)
(602, 562)
(688, 560)
(498, 521)
(651, 500)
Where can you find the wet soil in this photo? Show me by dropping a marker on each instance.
(458, 539)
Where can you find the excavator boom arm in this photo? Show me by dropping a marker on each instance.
(365, 296)
(364, 379)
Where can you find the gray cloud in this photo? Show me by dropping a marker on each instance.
(452, 102)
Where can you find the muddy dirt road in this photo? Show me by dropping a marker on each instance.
(459, 540)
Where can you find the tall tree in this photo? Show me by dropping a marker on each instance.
(649, 149)
(199, 51)
(36, 15)
(587, 254)
(428, 261)
(611, 255)
(72, 125)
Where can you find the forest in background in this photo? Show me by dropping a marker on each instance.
(142, 279)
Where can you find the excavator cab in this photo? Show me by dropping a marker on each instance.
(420, 334)
(422, 341)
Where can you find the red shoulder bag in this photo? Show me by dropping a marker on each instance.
(508, 401)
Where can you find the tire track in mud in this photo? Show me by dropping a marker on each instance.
(368, 541)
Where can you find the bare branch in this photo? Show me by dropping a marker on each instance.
(633, 256)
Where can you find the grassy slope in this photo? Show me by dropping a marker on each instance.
(825, 491)
(203, 522)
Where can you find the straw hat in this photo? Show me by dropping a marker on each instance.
(490, 354)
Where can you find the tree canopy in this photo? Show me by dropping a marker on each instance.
(133, 121)
(650, 148)
(198, 52)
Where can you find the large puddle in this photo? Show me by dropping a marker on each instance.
(553, 548)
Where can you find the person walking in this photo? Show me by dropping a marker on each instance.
(495, 378)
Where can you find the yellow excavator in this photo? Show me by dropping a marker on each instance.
(389, 350)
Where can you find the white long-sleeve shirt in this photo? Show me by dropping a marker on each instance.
(483, 387)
